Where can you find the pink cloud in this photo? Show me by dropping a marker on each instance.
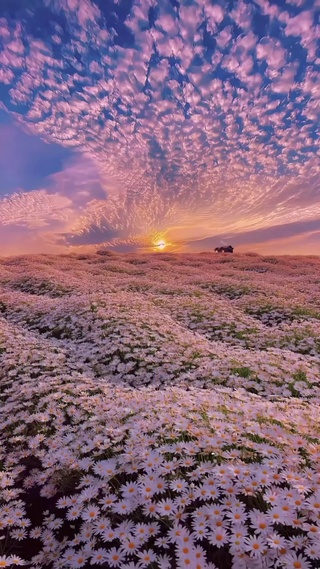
(242, 15)
(214, 14)
(273, 52)
(286, 81)
(300, 24)
(224, 37)
(6, 75)
(168, 24)
(271, 10)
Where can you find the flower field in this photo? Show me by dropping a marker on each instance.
(160, 411)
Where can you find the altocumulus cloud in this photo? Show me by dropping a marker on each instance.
(192, 115)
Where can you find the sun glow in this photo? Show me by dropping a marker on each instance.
(161, 245)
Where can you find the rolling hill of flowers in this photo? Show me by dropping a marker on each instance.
(160, 411)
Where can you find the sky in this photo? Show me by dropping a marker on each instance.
(159, 125)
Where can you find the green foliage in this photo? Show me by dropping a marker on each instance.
(66, 479)
(294, 392)
(256, 438)
(269, 420)
(129, 415)
(227, 290)
(305, 457)
(308, 312)
(244, 371)
(300, 375)
(261, 309)
(60, 333)
(41, 287)
(242, 334)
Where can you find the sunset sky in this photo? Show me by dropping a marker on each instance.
(134, 123)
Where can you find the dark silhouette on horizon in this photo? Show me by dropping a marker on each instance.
(228, 249)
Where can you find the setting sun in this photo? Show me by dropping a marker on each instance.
(161, 245)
